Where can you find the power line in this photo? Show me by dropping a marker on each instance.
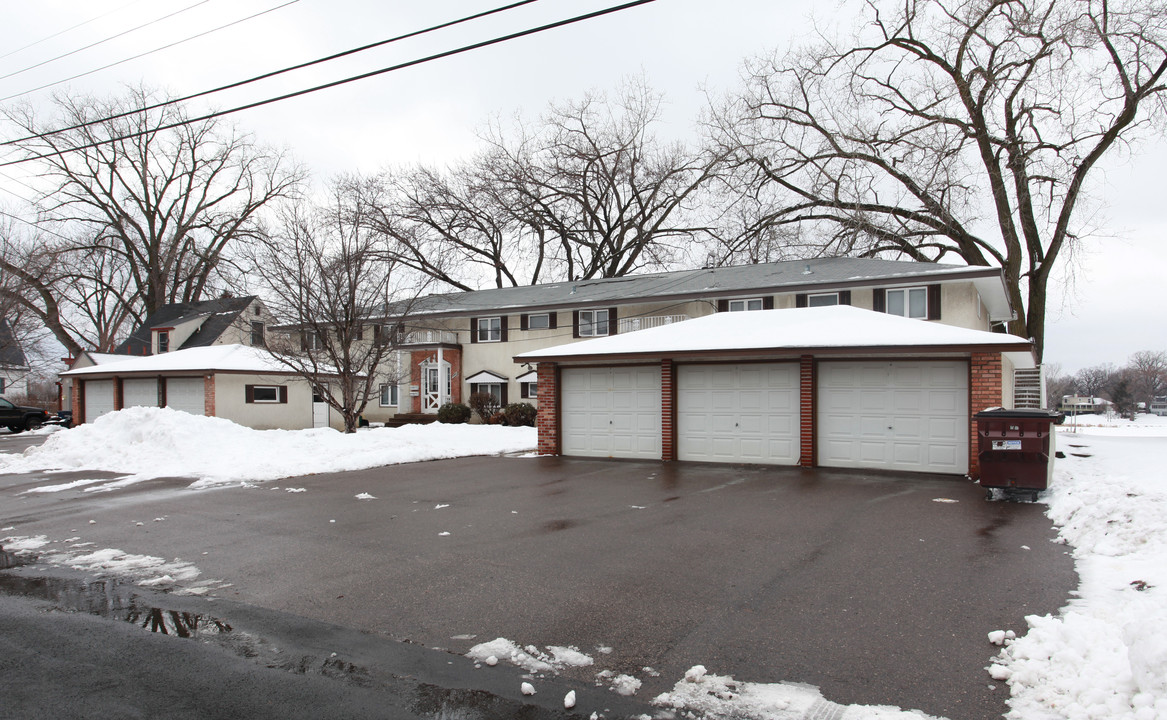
(151, 52)
(74, 27)
(274, 73)
(363, 76)
(104, 40)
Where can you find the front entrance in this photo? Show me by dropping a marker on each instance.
(320, 409)
(435, 388)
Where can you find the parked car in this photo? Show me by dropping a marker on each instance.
(18, 418)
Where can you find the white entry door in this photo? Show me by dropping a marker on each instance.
(738, 413)
(98, 398)
(432, 391)
(186, 394)
(612, 412)
(320, 409)
(899, 415)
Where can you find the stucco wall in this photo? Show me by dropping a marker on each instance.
(239, 332)
(1007, 368)
(231, 403)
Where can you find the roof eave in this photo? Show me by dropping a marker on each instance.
(777, 352)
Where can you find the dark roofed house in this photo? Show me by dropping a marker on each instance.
(180, 326)
(13, 364)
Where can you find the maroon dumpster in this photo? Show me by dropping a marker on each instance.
(1015, 450)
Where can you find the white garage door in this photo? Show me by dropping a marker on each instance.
(899, 415)
(186, 394)
(98, 398)
(140, 392)
(738, 413)
(612, 412)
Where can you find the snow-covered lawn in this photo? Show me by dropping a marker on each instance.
(144, 443)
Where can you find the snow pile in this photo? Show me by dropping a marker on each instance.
(146, 443)
(529, 658)
(715, 697)
(1105, 655)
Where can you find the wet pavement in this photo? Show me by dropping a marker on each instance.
(877, 588)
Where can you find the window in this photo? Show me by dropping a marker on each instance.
(389, 395)
(262, 394)
(528, 390)
(497, 390)
(822, 300)
(489, 329)
(538, 322)
(744, 305)
(593, 323)
(310, 340)
(257, 339)
(163, 341)
(908, 302)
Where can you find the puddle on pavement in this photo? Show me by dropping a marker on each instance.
(441, 703)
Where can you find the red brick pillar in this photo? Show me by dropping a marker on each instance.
(806, 406)
(78, 402)
(548, 417)
(984, 391)
(668, 410)
(209, 396)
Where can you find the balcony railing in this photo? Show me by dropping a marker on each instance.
(428, 337)
(633, 324)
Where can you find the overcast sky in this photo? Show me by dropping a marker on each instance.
(431, 113)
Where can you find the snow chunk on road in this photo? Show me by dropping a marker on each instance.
(529, 658)
(146, 443)
(364, 496)
(23, 544)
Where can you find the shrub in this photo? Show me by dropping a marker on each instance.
(453, 413)
(520, 414)
(485, 404)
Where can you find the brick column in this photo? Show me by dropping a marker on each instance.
(984, 391)
(668, 410)
(209, 396)
(548, 418)
(78, 402)
(806, 405)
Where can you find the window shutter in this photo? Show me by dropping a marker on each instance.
(575, 323)
(879, 300)
(723, 305)
(612, 324)
(524, 324)
(844, 297)
(505, 387)
(304, 340)
(768, 302)
(933, 302)
(502, 321)
(473, 330)
(473, 388)
(523, 390)
(800, 300)
(284, 394)
(249, 391)
(360, 332)
(552, 320)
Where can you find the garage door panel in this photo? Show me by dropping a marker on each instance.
(738, 413)
(186, 394)
(98, 398)
(138, 392)
(943, 401)
(611, 412)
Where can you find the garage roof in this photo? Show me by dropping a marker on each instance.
(839, 328)
(236, 358)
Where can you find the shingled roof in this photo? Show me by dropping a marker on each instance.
(221, 313)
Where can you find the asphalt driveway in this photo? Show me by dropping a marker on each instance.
(878, 588)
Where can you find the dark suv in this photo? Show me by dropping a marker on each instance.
(21, 417)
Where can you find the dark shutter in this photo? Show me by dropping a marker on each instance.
(524, 324)
(844, 297)
(768, 302)
(505, 387)
(933, 302)
(473, 388)
(575, 323)
(360, 333)
(502, 321)
(473, 330)
(612, 325)
(800, 300)
(304, 340)
(879, 300)
(284, 394)
(250, 392)
(723, 305)
(552, 320)
(523, 390)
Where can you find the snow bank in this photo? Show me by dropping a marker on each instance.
(146, 443)
(1105, 655)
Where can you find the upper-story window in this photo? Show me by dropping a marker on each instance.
(822, 299)
(257, 330)
(593, 323)
(742, 305)
(163, 341)
(541, 321)
(908, 302)
(489, 329)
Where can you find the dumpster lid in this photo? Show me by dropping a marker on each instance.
(1003, 413)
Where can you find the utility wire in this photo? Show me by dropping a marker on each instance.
(265, 76)
(62, 32)
(105, 40)
(151, 52)
(363, 76)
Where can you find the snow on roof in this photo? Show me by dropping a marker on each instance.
(839, 326)
(100, 358)
(214, 357)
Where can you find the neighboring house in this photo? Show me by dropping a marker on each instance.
(14, 367)
(243, 384)
(1082, 405)
(180, 326)
(457, 344)
(1159, 405)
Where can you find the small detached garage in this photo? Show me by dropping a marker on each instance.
(817, 387)
(246, 385)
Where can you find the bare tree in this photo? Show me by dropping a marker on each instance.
(1097, 380)
(964, 128)
(333, 280)
(1058, 384)
(1147, 371)
(151, 211)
